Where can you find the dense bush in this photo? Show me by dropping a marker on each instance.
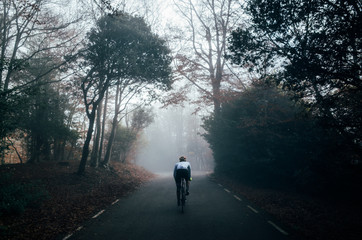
(15, 197)
(263, 136)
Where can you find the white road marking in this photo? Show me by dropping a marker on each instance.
(226, 190)
(79, 228)
(278, 228)
(237, 198)
(68, 236)
(252, 209)
(219, 184)
(98, 214)
(115, 202)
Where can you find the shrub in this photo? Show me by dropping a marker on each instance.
(18, 196)
(263, 136)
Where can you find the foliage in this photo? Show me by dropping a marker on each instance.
(122, 51)
(123, 46)
(141, 118)
(15, 197)
(314, 47)
(39, 112)
(123, 141)
(11, 108)
(45, 121)
(263, 134)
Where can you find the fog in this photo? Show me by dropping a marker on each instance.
(175, 132)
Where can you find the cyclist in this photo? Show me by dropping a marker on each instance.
(182, 170)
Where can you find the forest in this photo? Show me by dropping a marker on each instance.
(300, 120)
(270, 90)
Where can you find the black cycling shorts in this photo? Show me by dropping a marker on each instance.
(182, 173)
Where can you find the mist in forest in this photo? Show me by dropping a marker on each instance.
(175, 132)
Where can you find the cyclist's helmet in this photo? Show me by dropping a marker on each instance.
(182, 158)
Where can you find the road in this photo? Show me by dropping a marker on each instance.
(212, 212)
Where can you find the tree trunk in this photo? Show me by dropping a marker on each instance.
(94, 157)
(62, 150)
(123, 157)
(70, 153)
(216, 83)
(107, 157)
(85, 152)
(16, 151)
(103, 127)
(2, 156)
(216, 97)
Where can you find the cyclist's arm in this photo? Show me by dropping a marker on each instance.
(189, 168)
(174, 171)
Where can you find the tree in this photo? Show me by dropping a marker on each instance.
(125, 142)
(314, 47)
(30, 32)
(24, 26)
(103, 128)
(141, 118)
(146, 70)
(208, 22)
(197, 148)
(263, 134)
(122, 52)
(96, 150)
(45, 124)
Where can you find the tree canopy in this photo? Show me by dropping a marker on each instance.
(121, 51)
(314, 48)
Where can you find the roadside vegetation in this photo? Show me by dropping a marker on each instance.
(275, 153)
(291, 140)
(49, 200)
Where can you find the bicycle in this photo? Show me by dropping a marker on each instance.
(183, 194)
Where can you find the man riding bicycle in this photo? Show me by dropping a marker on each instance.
(182, 170)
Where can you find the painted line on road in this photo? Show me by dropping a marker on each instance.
(252, 209)
(71, 234)
(278, 228)
(237, 198)
(115, 202)
(98, 214)
(68, 236)
(219, 185)
(227, 190)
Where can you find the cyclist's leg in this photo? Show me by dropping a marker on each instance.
(178, 187)
(185, 174)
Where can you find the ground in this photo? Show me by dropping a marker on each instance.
(314, 217)
(73, 199)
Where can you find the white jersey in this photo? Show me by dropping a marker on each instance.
(182, 165)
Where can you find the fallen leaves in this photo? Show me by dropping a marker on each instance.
(311, 217)
(73, 198)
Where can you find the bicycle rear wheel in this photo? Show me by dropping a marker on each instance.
(183, 194)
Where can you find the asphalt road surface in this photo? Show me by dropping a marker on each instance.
(212, 212)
